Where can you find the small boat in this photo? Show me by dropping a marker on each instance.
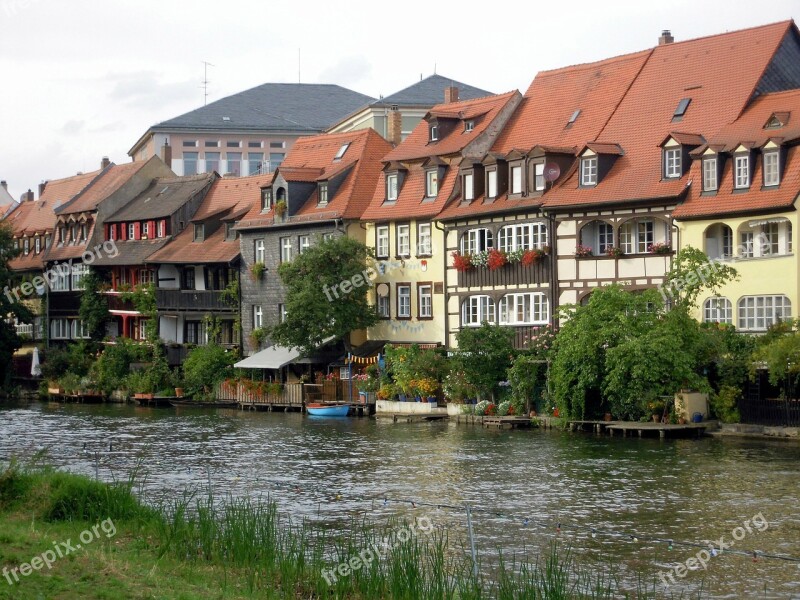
(199, 404)
(328, 410)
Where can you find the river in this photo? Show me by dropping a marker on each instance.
(521, 483)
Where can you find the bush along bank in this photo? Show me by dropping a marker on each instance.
(239, 548)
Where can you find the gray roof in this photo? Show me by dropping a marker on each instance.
(131, 252)
(430, 91)
(162, 198)
(301, 107)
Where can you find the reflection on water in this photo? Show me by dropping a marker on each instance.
(331, 469)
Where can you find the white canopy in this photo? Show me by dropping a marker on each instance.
(36, 369)
(273, 357)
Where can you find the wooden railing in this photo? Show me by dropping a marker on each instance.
(512, 274)
(200, 300)
(292, 394)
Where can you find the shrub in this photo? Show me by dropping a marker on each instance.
(205, 367)
(725, 404)
(480, 407)
(505, 408)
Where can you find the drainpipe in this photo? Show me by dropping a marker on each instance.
(554, 291)
(444, 230)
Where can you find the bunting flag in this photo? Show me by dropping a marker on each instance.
(358, 360)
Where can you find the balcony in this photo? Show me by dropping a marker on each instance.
(192, 300)
(510, 274)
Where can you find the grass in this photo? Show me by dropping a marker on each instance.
(198, 547)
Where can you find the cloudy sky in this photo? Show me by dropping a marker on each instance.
(82, 79)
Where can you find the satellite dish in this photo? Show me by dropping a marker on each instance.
(551, 172)
(383, 290)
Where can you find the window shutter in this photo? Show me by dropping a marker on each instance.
(137, 231)
(152, 233)
(123, 231)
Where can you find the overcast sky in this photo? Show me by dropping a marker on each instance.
(82, 79)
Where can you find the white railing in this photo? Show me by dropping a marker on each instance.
(24, 329)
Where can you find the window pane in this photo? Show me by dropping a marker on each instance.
(516, 180)
(469, 186)
(491, 177)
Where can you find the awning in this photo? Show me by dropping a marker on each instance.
(273, 357)
(762, 222)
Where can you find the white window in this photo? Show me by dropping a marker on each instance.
(78, 273)
(383, 306)
(266, 200)
(469, 126)
(476, 240)
(403, 301)
(131, 231)
(112, 232)
(672, 163)
(258, 316)
(645, 230)
(771, 166)
(516, 179)
(161, 230)
(286, 249)
(469, 186)
(431, 183)
(491, 184)
(199, 232)
(259, 254)
(538, 174)
(523, 309)
(391, 187)
(145, 230)
(382, 241)
(770, 245)
(424, 247)
(63, 273)
(26, 246)
(59, 329)
(522, 237)
(403, 240)
(37, 244)
(326, 237)
(78, 329)
(425, 295)
(434, 133)
(476, 310)
(742, 174)
(190, 163)
(304, 242)
(323, 194)
(146, 276)
(718, 310)
(746, 244)
(709, 174)
(598, 235)
(589, 171)
(282, 314)
(758, 313)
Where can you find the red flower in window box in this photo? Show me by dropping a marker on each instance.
(462, 262)
(491, 410)
(531, 257)
(496, 259)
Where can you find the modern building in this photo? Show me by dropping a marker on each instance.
(249, 132)
(420, 177)
(320, 190)
(395, 116)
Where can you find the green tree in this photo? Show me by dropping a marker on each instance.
(529, 369)
(205, 367)
(94, 306)
(692, 273)
(484, 355)
(326, 294)
(9, 306)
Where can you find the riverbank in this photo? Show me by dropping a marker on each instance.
(67, 536)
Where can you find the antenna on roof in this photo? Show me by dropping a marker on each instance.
(206, 64)
(298, 65)
(434, 68)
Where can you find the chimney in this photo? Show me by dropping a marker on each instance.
(41, 188)
(4, 185)
(395, 126)
(166, 154)
(450, 94)
(27, 196)
(104, 163)
(666, 37)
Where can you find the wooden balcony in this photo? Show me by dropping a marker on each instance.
(511, 274)
(192, 300)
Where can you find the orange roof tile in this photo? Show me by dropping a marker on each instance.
(454, 139)
(109, 181)
(698, 69)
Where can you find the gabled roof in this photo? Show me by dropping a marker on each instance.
(226, 200)
(295, 107)
(163, 197)
(110, 180)
(750, 126)
(429, 92)
(7, 202)
(312, 160)
(698, 69)
(455, 139)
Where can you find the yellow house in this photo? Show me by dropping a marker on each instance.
(742, 209)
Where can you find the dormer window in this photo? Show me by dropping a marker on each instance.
(323, 194)
(131, 231)
(469, 186)
(589, 171)
(491, 183)
(469, 126)
(145, 230)
(710, 174)
(391, 187)
(230, 232)
(777, 120)
(37, 245)
(741, 172)
(26, 246)
(538, 177)
(771, 168)
(266, 199)
(161, 229)
(431, 183)
(62, 234)
(672, 162)
(73, 233)
(199, 232)
(434, 133)
(341, 151)
(516, 178)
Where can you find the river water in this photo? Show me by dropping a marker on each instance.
(521, 483)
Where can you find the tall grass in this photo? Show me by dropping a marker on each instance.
(258, 550)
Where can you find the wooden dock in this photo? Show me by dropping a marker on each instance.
(596, 426)
(412, 417)
(662, 429)
(511, 422)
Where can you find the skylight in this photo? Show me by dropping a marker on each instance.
(341, 151)
(681, 109)
(574, 116)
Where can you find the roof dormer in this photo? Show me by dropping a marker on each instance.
(496, 175)
(676, 153)
(596, 160)
(773, 157)
(777, 120)
(394, 177)
(743, 166)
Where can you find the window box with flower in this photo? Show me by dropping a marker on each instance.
(615, 251)
(462, 262)
(583, 251)
(661, 248)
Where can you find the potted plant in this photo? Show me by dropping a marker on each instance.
(257, 337)
(427, 388)
(531, 257)
(614, 251)
(462, 262)
(257, 270)
(496, 259)
(583, 251)
(660, 248)
(281, 208)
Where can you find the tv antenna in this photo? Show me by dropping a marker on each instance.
(206, 64)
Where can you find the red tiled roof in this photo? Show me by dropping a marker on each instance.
(109, 181)
(418, 144)
(607, 148)
(698, 69)
(750, 126)
(227, 199)
(687, 139)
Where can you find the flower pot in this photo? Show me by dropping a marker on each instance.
(179, 392)
(417, 399)
(432, 399)
(402, 397)
(681, 421)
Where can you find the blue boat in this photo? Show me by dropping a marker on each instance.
(328, 410)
